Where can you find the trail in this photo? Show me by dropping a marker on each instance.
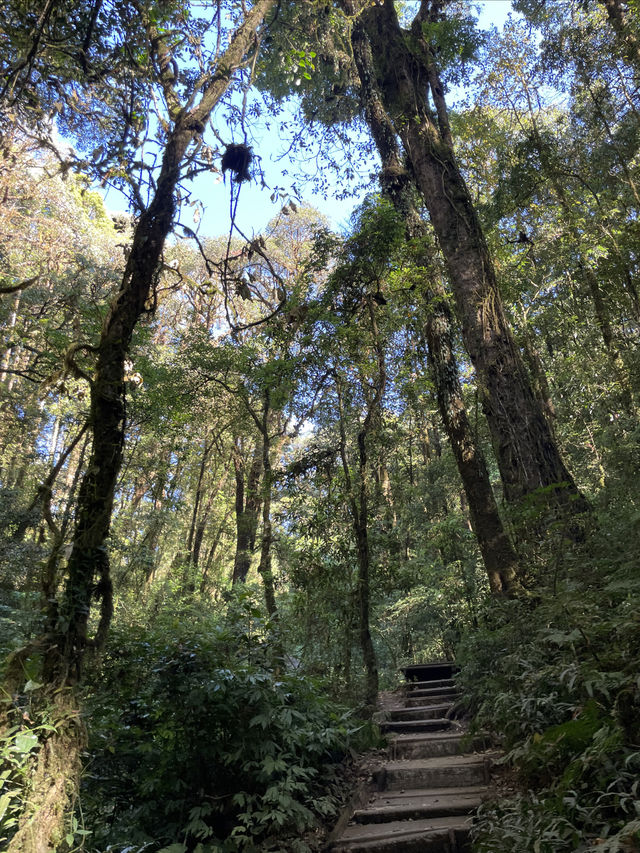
(434, 779)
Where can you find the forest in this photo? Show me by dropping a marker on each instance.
(246, 477)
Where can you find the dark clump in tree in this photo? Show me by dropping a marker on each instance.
(237, 159)
(67, 640)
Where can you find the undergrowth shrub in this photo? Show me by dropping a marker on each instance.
(555, 678)
(202, 742)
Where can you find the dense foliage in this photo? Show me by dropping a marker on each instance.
(556, 678)
(200, 734)
(244, 479)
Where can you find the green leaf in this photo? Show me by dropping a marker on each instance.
(5, 799)
(25, 743)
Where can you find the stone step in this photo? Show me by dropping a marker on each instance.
(430, 787)
(421, 712)
(438, 835)
(410, 686)
(450, 771)
(450, 690)
(430, 745)
(413, 701)
(433, 725)
(421, 804)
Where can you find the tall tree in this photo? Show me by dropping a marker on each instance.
(188, 109)
(413, 95)
(358, 489)
(248, 475)
(497, 551)
(620, 15)
(108, 414)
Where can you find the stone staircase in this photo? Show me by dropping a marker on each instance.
(433, 781)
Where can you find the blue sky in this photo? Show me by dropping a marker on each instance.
(255, 208)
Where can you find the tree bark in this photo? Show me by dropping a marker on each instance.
(498, 554)
(88, 566)
(527, 455)
(247, 510)
(617, 12)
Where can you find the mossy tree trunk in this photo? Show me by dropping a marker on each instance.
(527, 454)
(499, 556)
(247, 508)
(64, 647)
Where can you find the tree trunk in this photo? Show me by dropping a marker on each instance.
(538, 375)
(108, 417)
(53, 781)
(357, 500)
(199, 536)
(211, 553)
(198, 497)
(204, 518)
(361, 530)
(617, 12)
(247, 510)
(64, 653)
(264, 567)
(10, 326)
(527, 455)
(498, 554)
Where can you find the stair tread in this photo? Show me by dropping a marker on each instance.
(430, 722)
(437, 762)
(421, 793)
(417, 744)
(417, 708)
(427, 737)
(437, 722)
(431, 700)
(401, 829)
(418, 804)
(444, 684)
(414, 713)
(435, 690)
(435, 736)
(435, 699)
(427, 669)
